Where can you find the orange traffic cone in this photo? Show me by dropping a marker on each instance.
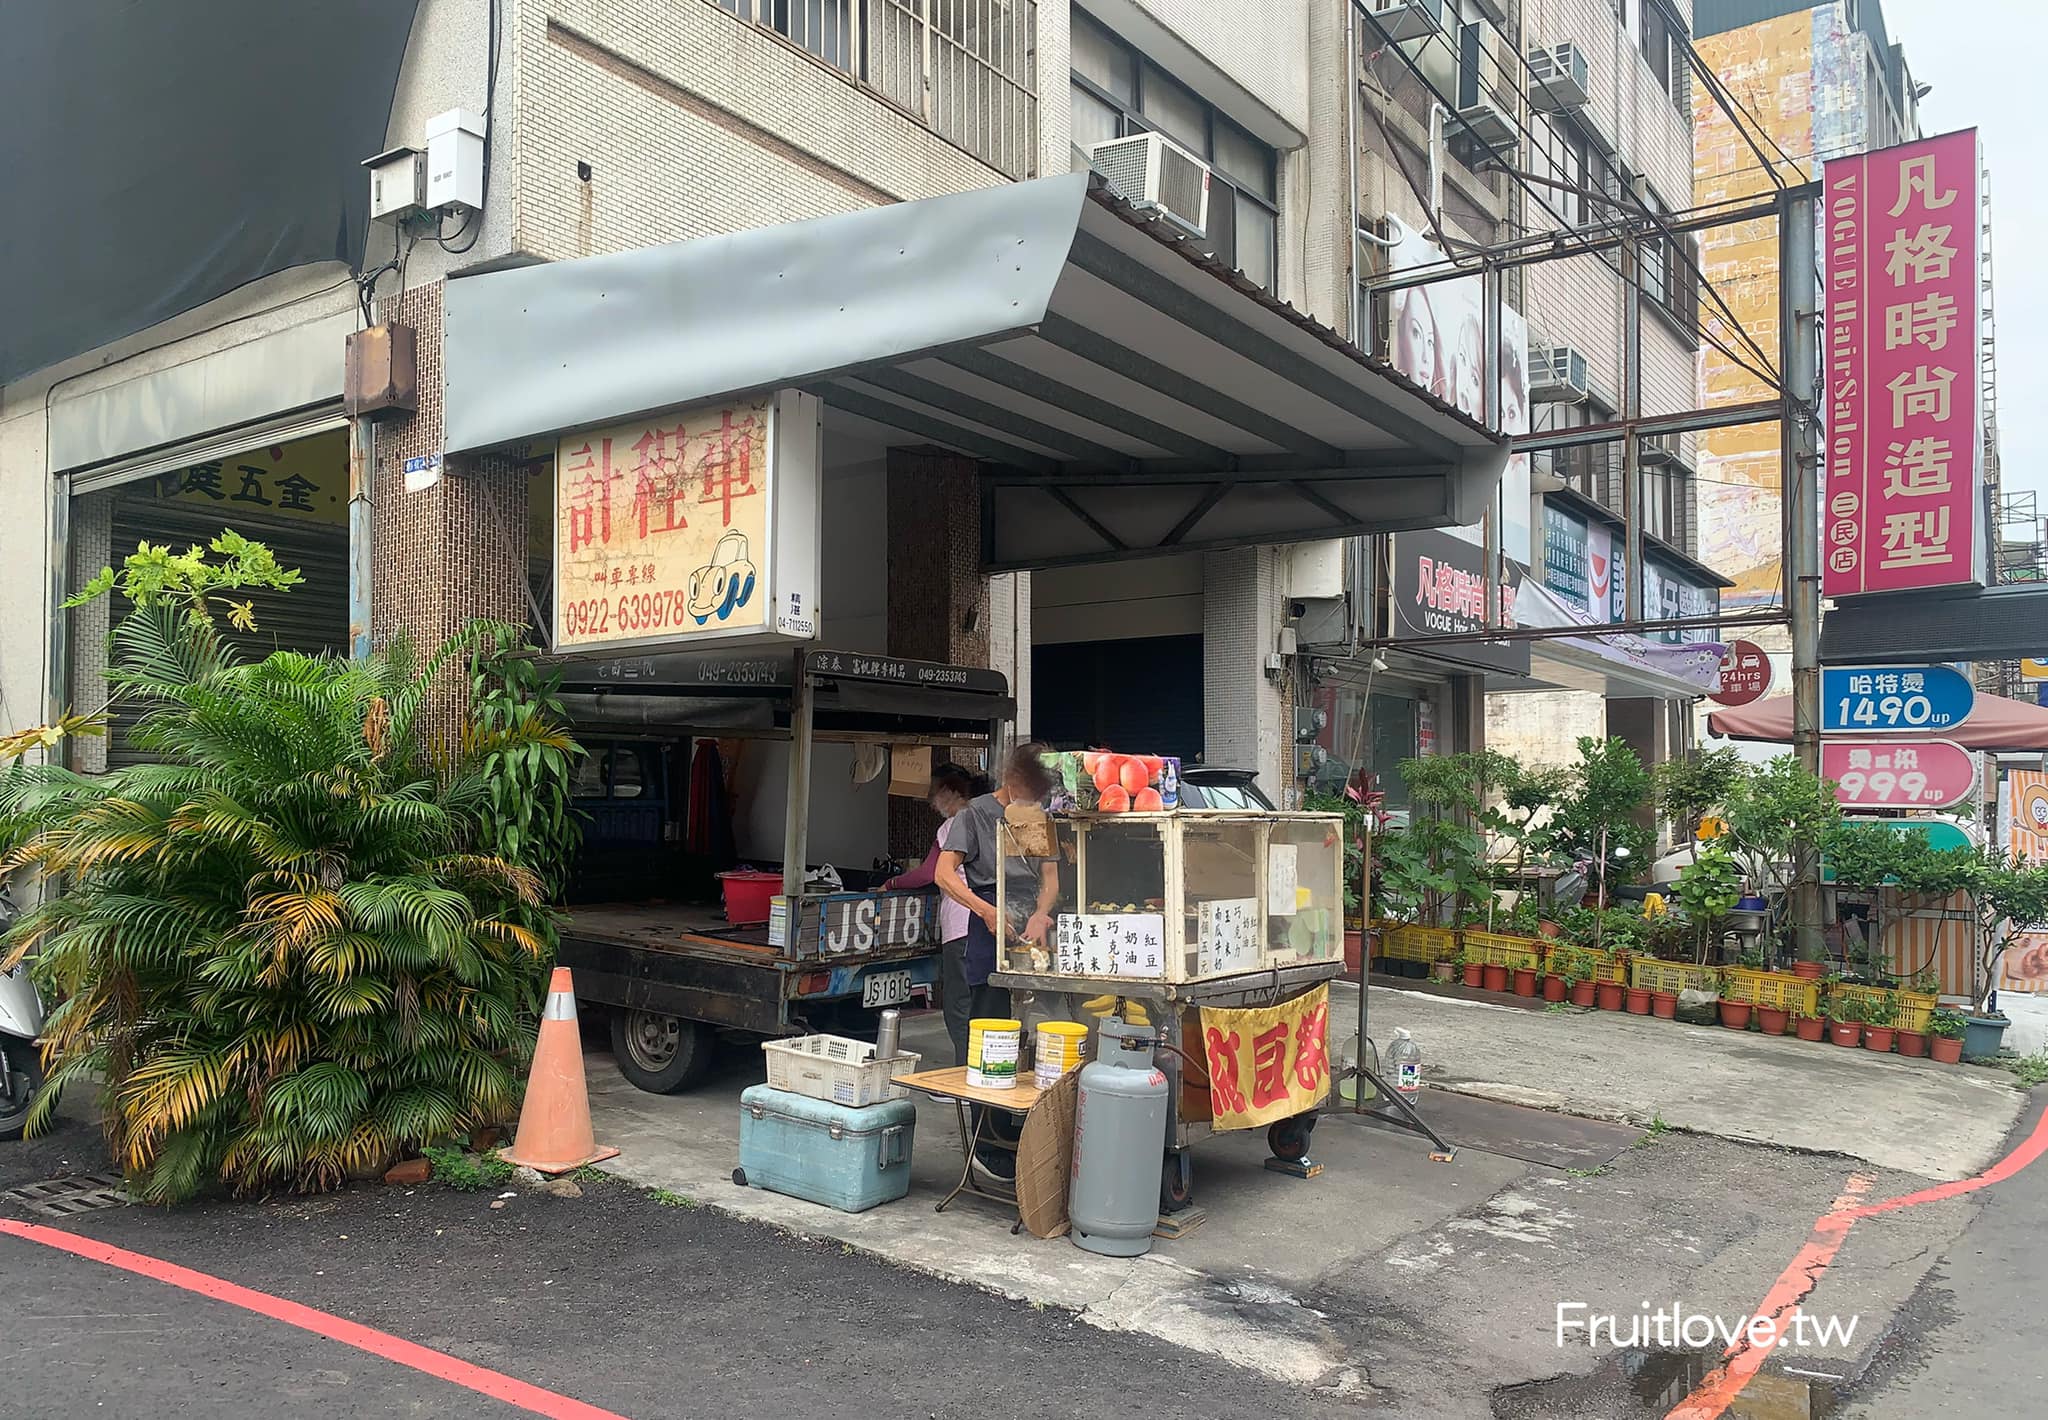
(554, 1121)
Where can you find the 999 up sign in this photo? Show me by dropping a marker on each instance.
(1876, 698)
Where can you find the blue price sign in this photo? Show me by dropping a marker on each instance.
(1867, 699)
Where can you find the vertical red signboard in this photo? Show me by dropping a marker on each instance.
(1900, 233)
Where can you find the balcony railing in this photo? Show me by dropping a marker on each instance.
(966, 68)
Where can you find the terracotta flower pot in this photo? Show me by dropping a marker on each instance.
(1809, 970)
(1847, 1033)
(1609, 995)
(1735, 1015)
(1582, 993)
(1475, 972)
(1354, 949)
(1525, 981)
(1912, 1044)
(1664, 1005)
(1440, 971)
(1553, 988)
(1771, 1021)
(1494, 978)
(1878, 1038)
(1946, 1049)
(1810, 1027)
(1549, 929)
(1638, 1001)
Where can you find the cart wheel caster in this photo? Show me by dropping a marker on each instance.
(1288, 1138)
(1176, 1182)
(739, 1176)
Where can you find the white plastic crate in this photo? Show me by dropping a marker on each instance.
(836, 1068)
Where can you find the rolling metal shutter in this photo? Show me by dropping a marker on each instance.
(312, 617)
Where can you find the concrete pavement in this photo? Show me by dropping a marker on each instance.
(1937, 1121)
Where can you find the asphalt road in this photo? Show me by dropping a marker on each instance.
(646, 1310)
(1974, 1339)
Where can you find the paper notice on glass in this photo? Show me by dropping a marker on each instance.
(1110, 944)
(1227, 939)
(1280, 879)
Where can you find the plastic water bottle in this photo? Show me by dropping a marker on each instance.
(1406, 1058)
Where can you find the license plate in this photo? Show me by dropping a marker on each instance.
(886, 988)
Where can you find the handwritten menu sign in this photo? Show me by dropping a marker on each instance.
(1281, 879)
(1226, 932)
(1110, 944)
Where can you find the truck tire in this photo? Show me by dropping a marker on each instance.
(661, 1054)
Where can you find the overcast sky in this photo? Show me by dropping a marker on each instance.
(1987, 72)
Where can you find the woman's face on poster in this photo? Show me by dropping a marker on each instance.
(1415, 340)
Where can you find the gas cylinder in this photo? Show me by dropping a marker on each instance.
(1119, 1140)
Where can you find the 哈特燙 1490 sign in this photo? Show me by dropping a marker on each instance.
(1876, 699)
(693, 526)
(1901, 238)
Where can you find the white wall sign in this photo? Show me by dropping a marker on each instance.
(1227, 934)
(1109, 944)
(1281, 879)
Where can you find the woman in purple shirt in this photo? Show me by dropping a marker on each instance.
(952, 789)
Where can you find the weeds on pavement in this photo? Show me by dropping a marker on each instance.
(468, 1172)
(2031, 1069)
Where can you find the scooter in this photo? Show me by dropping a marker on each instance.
(21, 1021)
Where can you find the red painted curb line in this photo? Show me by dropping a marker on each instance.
(381, 1344)
(1803, 1273)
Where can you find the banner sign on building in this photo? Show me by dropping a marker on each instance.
(1440, 590)
(1899, 774)
(2023, 828)
(1867, 699)
(1902, 242)
(1564, 555)
(688, 527)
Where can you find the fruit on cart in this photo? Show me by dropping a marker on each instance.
(1102, 781)
(1114, 800)
(1147, 801)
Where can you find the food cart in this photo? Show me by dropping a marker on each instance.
(1176, 910)
(672, 973)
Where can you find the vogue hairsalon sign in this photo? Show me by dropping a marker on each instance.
(1901, 239)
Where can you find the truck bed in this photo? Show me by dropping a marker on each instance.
(691, 927)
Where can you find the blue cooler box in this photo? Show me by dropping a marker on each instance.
(849, 1159)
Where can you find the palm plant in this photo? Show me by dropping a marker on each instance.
(284, 950)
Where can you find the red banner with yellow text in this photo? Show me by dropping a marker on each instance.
(1267, 1063)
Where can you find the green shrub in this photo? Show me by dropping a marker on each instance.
(284, 950)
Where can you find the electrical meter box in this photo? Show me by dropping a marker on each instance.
(455, 161)
(1177, 897)
(397, 184)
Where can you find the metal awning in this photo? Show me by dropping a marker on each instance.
(1126, 395)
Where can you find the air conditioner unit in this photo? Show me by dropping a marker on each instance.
(1407, 20)
(1558, 374)
(1484, 118)
(1558, 81)
(1148, 171)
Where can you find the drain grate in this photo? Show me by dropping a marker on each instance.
(61, 1197)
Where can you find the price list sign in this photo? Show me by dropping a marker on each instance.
(1110, 944)
(1872, 699)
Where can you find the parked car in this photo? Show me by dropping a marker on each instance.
(1209, 787)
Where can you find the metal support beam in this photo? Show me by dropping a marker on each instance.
(1171, 299)
(796, 823)
(1799, 358)
(1043, 388)
(1732, 621)
(1632, 578)
(1121, 360)
(1691, 422)
(939, 431)
(962, 405)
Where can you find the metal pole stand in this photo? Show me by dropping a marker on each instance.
(1392, 1108)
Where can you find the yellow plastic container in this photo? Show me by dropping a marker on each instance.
(1061, 1046)
(992, 1048)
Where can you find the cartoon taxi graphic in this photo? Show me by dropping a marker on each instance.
(724, 583)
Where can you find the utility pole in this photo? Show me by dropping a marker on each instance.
(1799, 451)
(1631, 442)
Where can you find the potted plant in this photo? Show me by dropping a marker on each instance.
(1778, 816)
(1845, 1019)
(2010, 895)
(1470, 970)
(1810, 1027)
(1880, 1018)
(1772, 1020)
(1597, 820)
(1445, 971)
(1692, 786)
(1610, 995)
(1945, 1031)
(1707, 891)
(1735, 1014)
(1525, 981)
(1637, 1001)
(1574, 968)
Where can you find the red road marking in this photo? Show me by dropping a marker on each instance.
(1803, 1273)
(381, 1344)
(1794, 1284)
